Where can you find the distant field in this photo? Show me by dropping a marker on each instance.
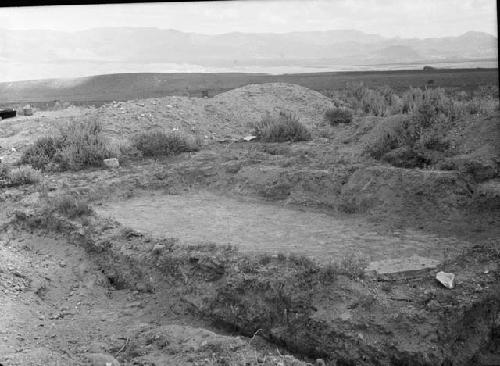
(104, 88)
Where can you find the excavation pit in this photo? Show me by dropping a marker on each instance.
(260, 227)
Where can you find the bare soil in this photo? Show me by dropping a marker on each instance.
(259, 227)
(58, 308)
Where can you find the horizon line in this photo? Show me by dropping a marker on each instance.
(240, 32)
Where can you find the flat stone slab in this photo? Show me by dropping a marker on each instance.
(405, 264)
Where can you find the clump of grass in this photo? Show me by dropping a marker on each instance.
(286, 127)
(70, 206)
(78, 145)
(351, 265)
(160, 143)
(338, 115)
(24, 175)
(19, 176)
(369, 101)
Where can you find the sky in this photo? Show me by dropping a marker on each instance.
(391, 18)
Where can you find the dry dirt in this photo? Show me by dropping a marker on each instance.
(146, 278)
(258, 227)
(58, 308)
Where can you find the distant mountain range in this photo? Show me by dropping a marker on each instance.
(152, 45)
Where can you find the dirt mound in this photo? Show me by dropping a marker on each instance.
(248, 104)
(228, 115)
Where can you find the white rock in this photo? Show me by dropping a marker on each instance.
(249, 138)
(102, 359)
(111, 163)
(446, 279)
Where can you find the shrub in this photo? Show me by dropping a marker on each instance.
(77, 146)
(159, 143)
(83, 146)
(338, 115)
(391, 133)
(70, 206)
(370, 101)
(23, 175)
(42, 152)
(285, 127)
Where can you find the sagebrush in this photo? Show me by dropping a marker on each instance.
(160, 143)
(285, 127)
(336, 116)
(77, 145)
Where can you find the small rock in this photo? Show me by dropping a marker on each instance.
(446, 279)
(102, 359)
(111, 163)
(158, 248)
(249, 138)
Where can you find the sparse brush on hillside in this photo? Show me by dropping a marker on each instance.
(338, 115)
(417, 136)
(285, 127)
(429, 103)
(369, 101)
(399, 140)
(160, 143)
(78, 145)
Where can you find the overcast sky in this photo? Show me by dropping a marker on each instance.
(404, 18)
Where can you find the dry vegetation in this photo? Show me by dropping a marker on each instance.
(285, 127)
(19, 175)
(76, 146)
(159, 143)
